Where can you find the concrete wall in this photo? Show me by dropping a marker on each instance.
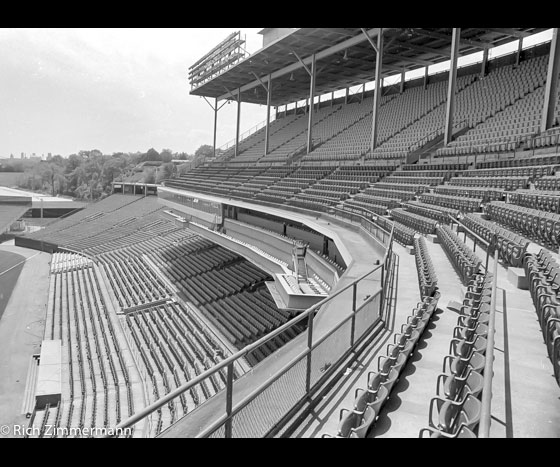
(276, 246)
(315, 240)
(281, 248)
(261, 222)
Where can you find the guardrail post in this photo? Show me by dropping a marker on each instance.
(229, 401)
(309, 347)
(353, 328)
(383, 308)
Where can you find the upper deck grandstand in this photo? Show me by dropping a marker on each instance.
(382, 263)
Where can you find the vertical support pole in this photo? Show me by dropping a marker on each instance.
(353, 326)
(402, 82)
(332, 98)
(346, 96)
(276, 112)
(519, 52)
(363, 92)
(451, 87)
(267, 130)
(229, 400)
(382, 294)
(551, 82)
(215, 124)
(484, 64)
(305, 106)
(425, 77)
(238, 121)
(295, 108)
(309, 346)
(377, 92)
(311, 99)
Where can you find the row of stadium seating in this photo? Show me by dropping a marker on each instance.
(356, 423)
(427, 277)
(511, 247)
(466, 262)
(456, 411)
(507, 183)
(532, 172)
(414, 221)
(539, 226)
(541, 200)
(543, 272)
(98, 384)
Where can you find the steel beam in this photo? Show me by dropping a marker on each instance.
(358, 39)
(267, 130)
(238, 121)
(484, 64)
(455, 39)
(377, 91)
(519, 51)
(311, 99)
(551, 89)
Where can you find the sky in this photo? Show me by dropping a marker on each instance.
(125, 89)
(66, 90)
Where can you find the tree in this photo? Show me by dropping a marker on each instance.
(149, 176)
(151, 155)
(166, 171)
(166, 155)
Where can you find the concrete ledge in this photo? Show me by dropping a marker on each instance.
(432, 238)
(518, 278)
(410, 249)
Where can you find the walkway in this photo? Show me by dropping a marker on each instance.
(21, 332)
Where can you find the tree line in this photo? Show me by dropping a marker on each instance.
(88, 175)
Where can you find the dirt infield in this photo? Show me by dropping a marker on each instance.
(11, 265)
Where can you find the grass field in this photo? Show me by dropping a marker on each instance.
(8, 279)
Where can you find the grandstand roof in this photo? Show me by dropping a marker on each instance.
(344, 58)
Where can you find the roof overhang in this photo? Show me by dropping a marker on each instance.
(344, 58)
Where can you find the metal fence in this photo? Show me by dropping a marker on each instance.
(264, 410)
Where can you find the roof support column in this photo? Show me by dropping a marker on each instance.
(238, 122)
(519, 52)
(484, 64)
(551, 88)
(451, 87)
(215, 108)
(267, 130)
(402, 82)
(425, 77)
(346, 96)
(215, 125)
(311, 99)
(377, 92)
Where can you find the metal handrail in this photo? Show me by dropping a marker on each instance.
(486, 409)
(486, 400)
(249, 348)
